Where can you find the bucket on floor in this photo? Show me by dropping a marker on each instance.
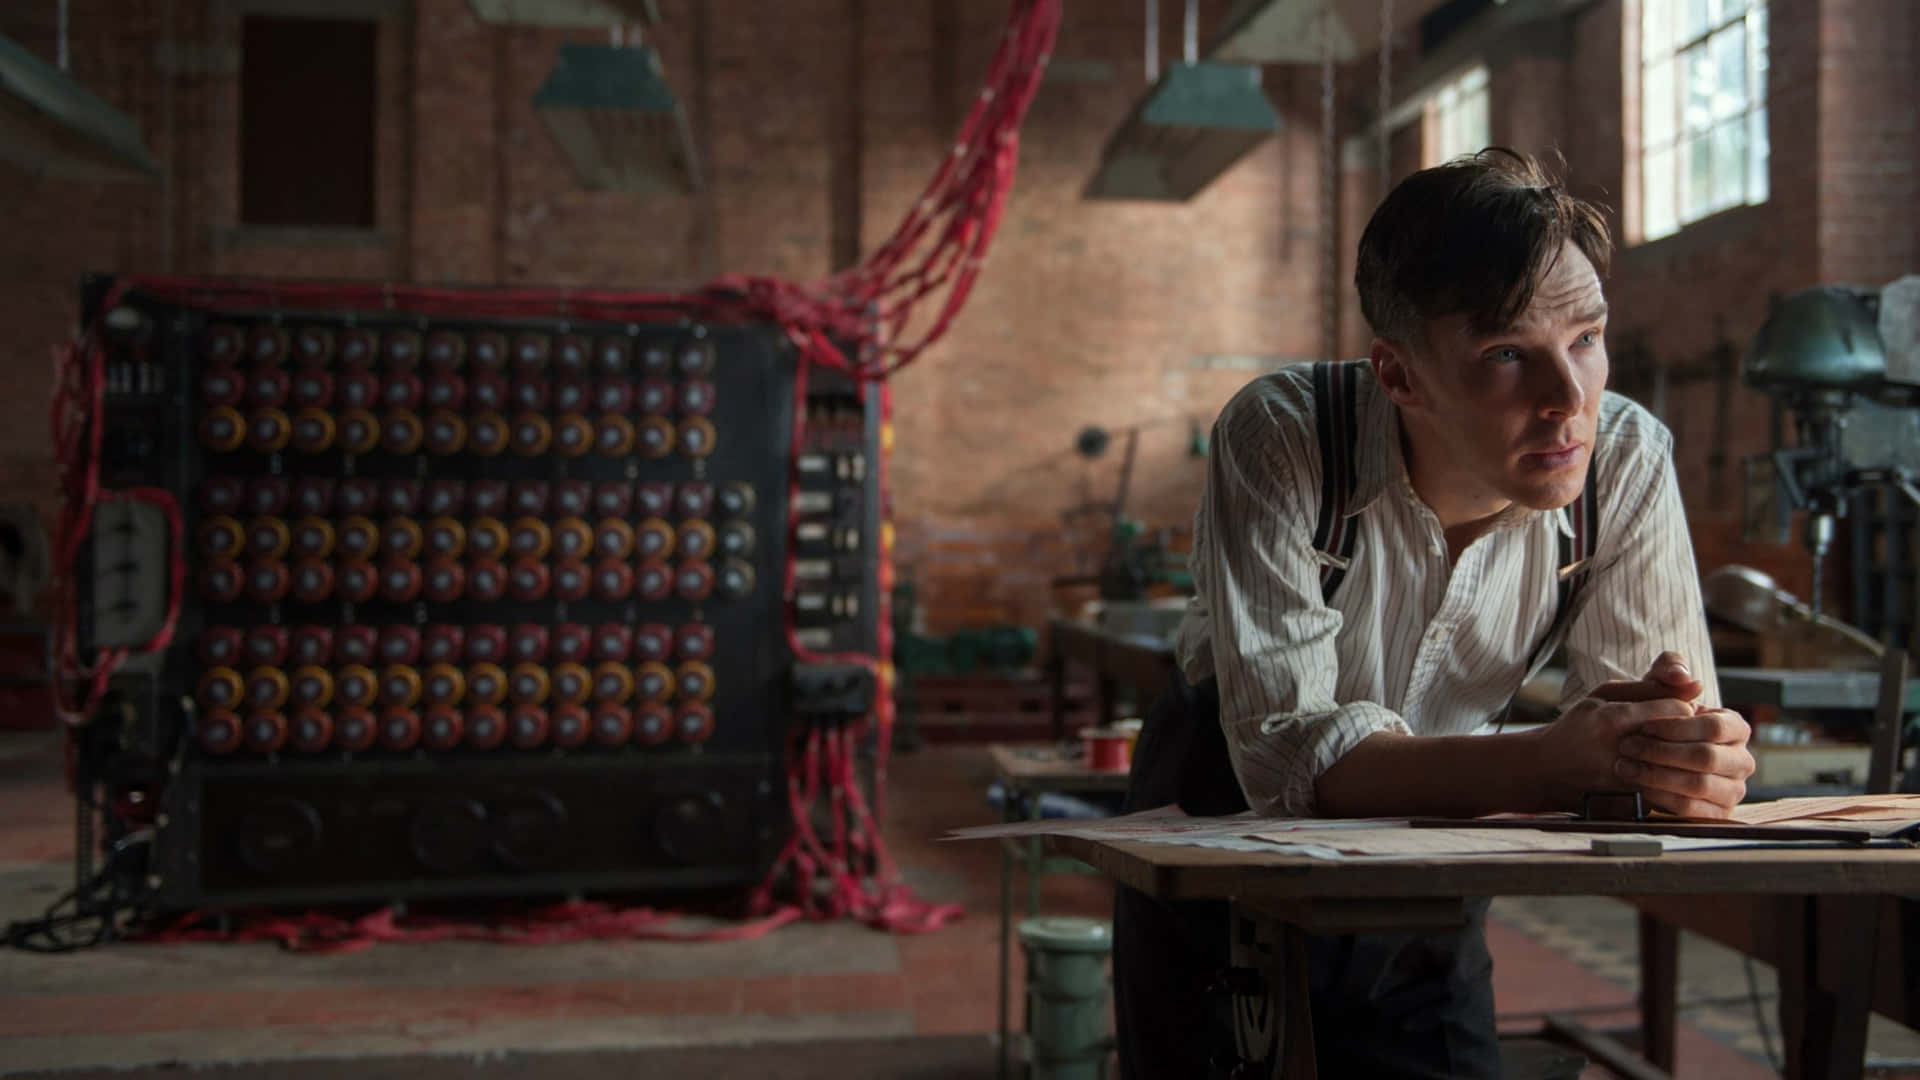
(1109, 749)
(1067, 1035)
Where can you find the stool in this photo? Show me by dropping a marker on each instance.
(1067, 1037)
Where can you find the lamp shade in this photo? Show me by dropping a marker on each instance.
(53, 126)
(1195, 123)
(1281, 32)
(574, 13)
(614, 115)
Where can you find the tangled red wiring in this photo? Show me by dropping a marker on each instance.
(855, 322)
(318, 932)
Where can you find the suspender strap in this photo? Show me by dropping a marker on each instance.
(1336, 389)
(1575, 552)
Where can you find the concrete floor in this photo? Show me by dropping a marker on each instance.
(132, 1004)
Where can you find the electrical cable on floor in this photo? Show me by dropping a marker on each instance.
(103, 905)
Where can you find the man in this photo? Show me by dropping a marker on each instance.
(1350, 680)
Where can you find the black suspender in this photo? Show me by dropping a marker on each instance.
(1336, 410)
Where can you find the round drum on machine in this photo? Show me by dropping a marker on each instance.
(442, 727)
(311, 730)
(652, 724)
(354, 728)
(571, 726)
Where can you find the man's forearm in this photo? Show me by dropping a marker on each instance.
(1390, 774)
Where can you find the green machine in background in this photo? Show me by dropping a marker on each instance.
(1845, 363)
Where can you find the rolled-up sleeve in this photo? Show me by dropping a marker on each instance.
(1273, 639)
(1644, 597)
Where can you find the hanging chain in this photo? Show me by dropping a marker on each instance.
(1153, 42)
(1192, 43)
(60, 49)
(1385, 148)
(1329, 191)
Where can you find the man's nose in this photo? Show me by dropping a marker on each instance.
(1558, 389)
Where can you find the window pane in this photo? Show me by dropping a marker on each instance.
(1474, 122)
(1701, 15)
(1696, 191)
(1657, 216)
(1473, 80)
(1656, 28)
(1729, 48)
(1656, 105)
(1757, 31)
(1758, 159)
(1732, 9)
(1730, 163)
(1698, 114)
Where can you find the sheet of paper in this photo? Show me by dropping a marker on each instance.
(1430, 843)
(1162, 823)
(1827, 807)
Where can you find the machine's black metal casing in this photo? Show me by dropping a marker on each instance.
(285, 827)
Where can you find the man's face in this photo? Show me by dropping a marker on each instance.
(1514, 412)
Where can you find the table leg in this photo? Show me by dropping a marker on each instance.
(1659, 989)
(1057, 689)
(1006, 918)
(1827, 950)
(1299, 1005)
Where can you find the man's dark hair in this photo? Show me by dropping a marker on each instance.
(1470, 237)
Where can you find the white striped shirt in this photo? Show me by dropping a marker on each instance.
(1409, 644)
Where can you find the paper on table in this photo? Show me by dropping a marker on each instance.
(1432, 843)
(1829, 807)
(1166, 823)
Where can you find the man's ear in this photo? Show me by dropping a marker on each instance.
(1393, 370)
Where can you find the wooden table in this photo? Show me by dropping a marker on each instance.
(1824, 926)
(1145, 664)
(1773, 929)
(1025, 773)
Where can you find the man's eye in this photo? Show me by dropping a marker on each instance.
(1506, 354)
(1591, 337)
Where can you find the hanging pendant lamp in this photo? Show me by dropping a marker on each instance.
(52, 126)
(612, 112)
(1280, 32)
(1193, 125)
(575, 13)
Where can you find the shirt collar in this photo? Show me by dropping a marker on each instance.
(1381, 466)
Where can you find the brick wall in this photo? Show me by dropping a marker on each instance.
(1109, 314)
(1120, 315)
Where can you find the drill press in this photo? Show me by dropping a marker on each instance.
(1845, 363)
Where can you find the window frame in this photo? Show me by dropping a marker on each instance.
(1679, 208)
(1445, 106)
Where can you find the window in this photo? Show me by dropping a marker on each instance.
(307, 121)
(1457, 117)
(1703, 110)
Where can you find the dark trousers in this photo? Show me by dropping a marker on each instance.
(1389, 1006)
